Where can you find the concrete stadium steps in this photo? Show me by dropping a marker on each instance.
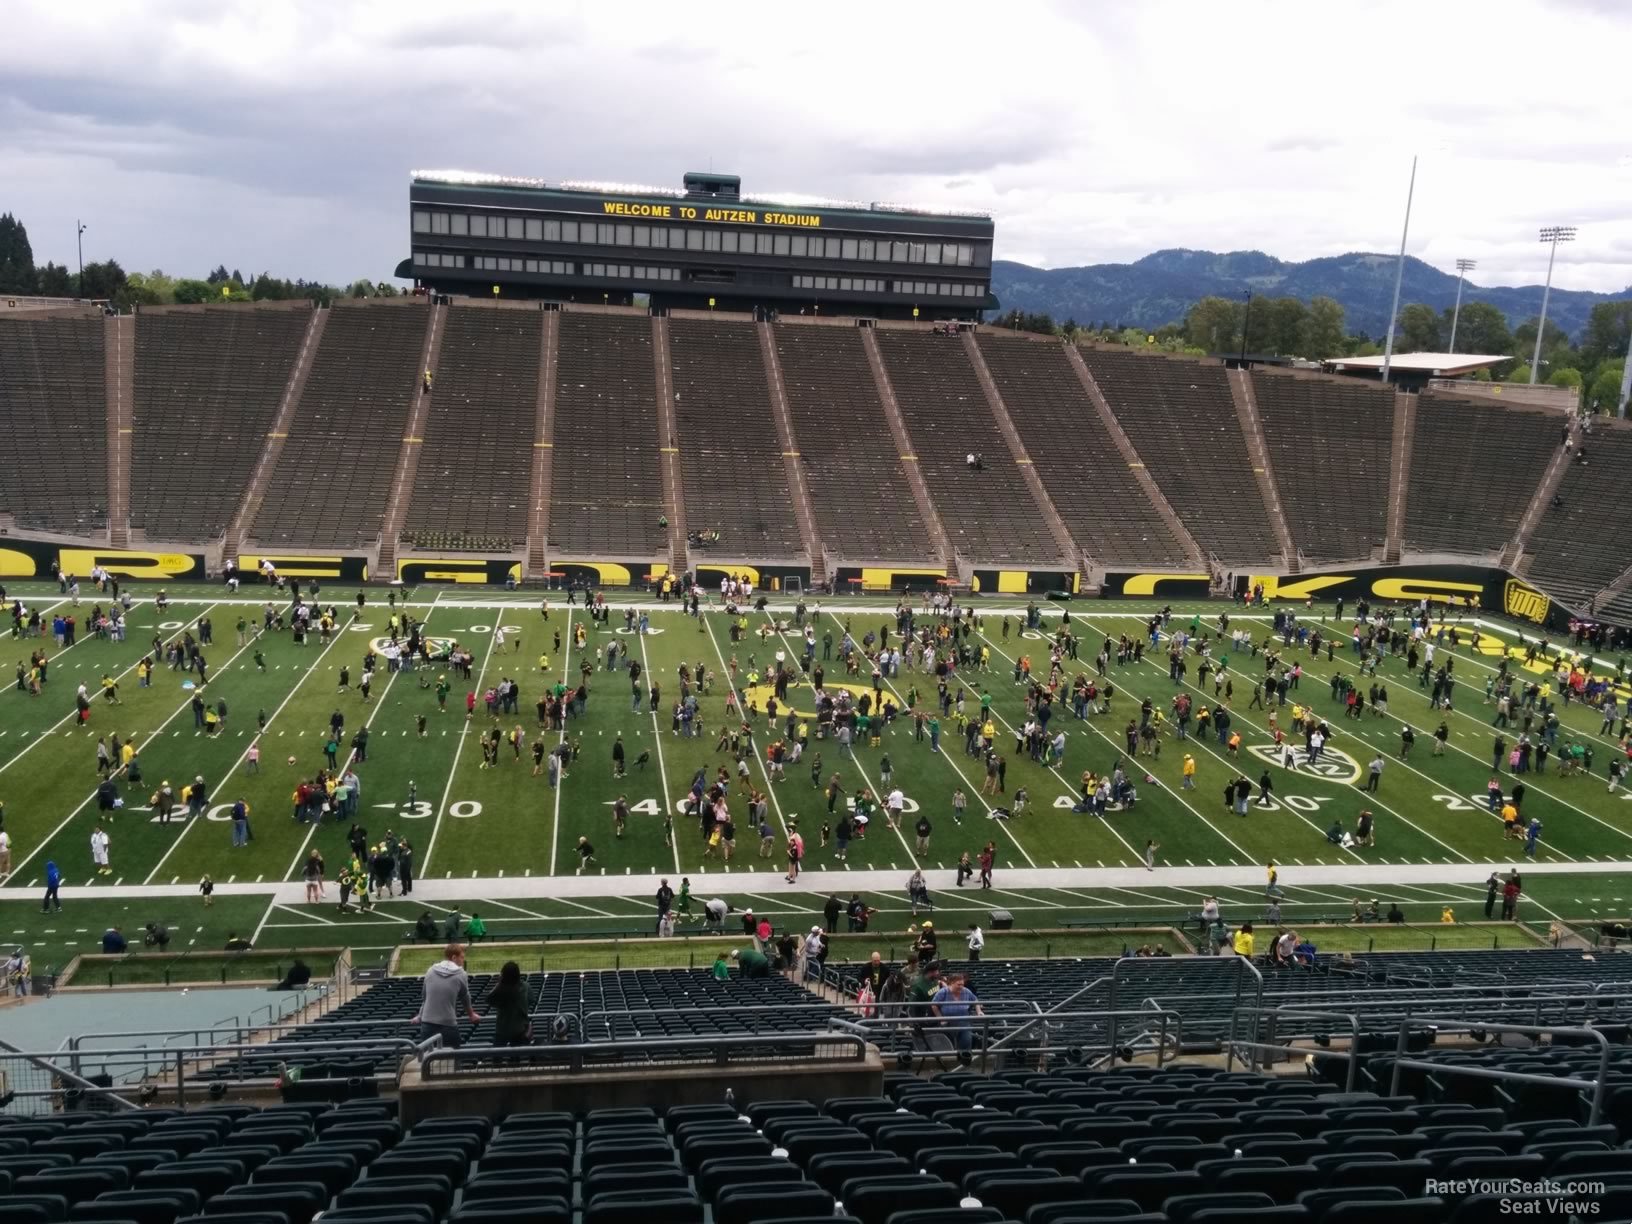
(1399, 472)
(119, 357)
(1063, 540)
(413, 442)
(1579, 546)
(909, 460)
(792, 466)
(1252, 429)
(538, 519)
(271, 446)
(1193, 554)
(1545, 490)
(674, 498)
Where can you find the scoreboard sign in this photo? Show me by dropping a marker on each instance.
(724, 216)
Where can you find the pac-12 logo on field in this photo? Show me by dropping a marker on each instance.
(1524, 601)
(439, 648)
(1334, 764)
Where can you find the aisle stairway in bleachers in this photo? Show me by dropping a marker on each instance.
(792, 457)
(207, 387)
(668, 430)
(860, 491)
(731, 463)
(606, 486)
(333, 478)
(1401, 448)
(1245, 395)
(54, 423)
(1094, 485)
(1181, 417)
(405, 479)
(119, 358)
(538, 516)
(990, 515)
(1335, 497)
(470, 492)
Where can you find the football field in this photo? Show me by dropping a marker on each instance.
(503, 834)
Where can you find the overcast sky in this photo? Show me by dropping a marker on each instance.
(280, 135)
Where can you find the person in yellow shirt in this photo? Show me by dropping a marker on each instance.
(211, 720)
(1510, 820)
(988, 732)
(1447, 915)
(544, 663)
(143, 671)
(1188, 769)
(1297, 718)
(1244, 941)
(127, 753)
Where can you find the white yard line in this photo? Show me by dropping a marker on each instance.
(662, 769)
(560, 773)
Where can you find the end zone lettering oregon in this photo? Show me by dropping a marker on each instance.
(129, 564)
(1524, 601)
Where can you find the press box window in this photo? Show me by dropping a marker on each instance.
(422, 222)
(569, 231)
(800, 244)
(460, 224)
(866, 248)
(763, 242)
(781, 244)
(552, 231)
(932, 253)
(439, 223)
(625, 235)
(898, 252)
(643, 235)
(660, 236)
(535, 229)
(729, 241)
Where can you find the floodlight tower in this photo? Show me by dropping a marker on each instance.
(1552, 235)
(1463, 267)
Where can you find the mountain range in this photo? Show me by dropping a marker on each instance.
(1162, 286)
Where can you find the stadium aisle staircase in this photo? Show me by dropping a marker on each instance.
(1063, 540)
(119, 356)
(1579, 546)
(791, 461)
(668, 433)
(271, 446)
(538, 518)
(1545, 490)
(1399, 472)
(412, 448)
(1252, 430)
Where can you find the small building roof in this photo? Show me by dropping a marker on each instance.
(1433, 365)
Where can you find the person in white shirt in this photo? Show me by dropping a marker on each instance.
(896, 803)
(99, 851)
(977, 941)
(5, 854)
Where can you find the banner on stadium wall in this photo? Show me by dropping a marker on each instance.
(1473, 586)
(1022, 582)
(472, 570)
(301, 565)
(124, 563)
(600, 573)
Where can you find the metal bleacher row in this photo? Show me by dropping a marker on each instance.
(1579, 546)
(1183, 1145)
(1335, 496)
(206, 391)
(475, 466)
(54, 424)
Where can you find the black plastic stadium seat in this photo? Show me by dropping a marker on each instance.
(547, 1210)
(754, 1202)
(643, 1207)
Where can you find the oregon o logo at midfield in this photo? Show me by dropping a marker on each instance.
(759, 694)
(1334, 764)
(439, 648)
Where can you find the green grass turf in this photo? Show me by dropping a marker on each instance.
(484, 824)
(167, 969)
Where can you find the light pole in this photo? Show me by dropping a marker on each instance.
(1463, 267)
(79, 238)
(1399, 274)
(1552, 235)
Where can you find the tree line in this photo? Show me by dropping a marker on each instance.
(107, 281)
(1316, 331)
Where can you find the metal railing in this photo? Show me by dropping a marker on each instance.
(1038, 1039)
(1596, 1086)
(441, 1063)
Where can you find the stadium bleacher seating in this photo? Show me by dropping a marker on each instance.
(989, 515)
(865, 510)
(1168, 1146)
(1329, 441)
(730, 459)
(1579, 547)
(1473, 453)
(475, 465)
(333, 478)
(207, 388)
(1182, 420)
(1104, 507)
(606, 489)
(54, 424)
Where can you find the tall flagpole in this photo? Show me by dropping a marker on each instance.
(1399, 274)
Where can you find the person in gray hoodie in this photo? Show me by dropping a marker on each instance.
(447, 991)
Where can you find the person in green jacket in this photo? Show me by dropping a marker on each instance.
(722, 968)
(475, 929)
(751, 963)
(682, 903)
